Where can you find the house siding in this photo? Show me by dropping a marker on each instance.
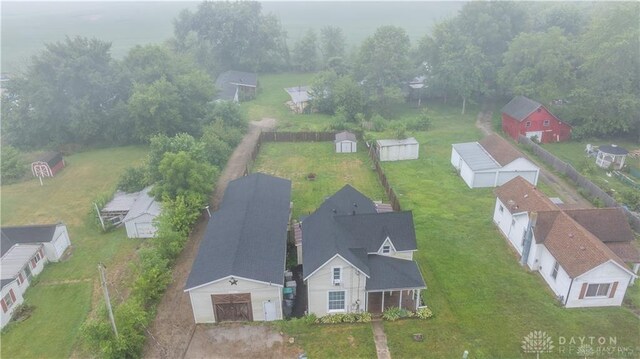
(399, 152)
(512, 227)
(5, 318)
(132, 229)
(555, 132)
(55, 249)
(604, 273)
(260, 292)
(346, 146)
(546, 261)
(320, 284)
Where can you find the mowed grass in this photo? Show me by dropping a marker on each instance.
(68, 198)
(295, 160)
(483, 300)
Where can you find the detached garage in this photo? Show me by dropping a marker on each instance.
(398, 150)
(238, 274)
(54, 237)
(491, 162)
(346, 142)
(139, 219)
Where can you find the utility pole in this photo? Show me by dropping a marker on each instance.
(103, 281)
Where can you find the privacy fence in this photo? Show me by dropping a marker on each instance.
(272, 136)
(584, 183)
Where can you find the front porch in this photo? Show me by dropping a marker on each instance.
(408, 299)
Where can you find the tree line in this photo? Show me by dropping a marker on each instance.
(580, 59)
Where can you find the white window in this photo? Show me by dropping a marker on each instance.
(501, 209)
(546, 123)
(524, 237)
(336, 277)
(386, 249)
(527, 124)
(336, 300)
(598, 290)
(554, 271)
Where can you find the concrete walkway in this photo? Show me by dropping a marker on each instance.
(380, 338)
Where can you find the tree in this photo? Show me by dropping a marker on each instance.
(182, 175)
(235, 34)
(322, 88)
(153, 109)
(539, 65)
(12, 166)
(66, 95)
(305, 52)
(162, 144)
(349, 98)
(332, 45)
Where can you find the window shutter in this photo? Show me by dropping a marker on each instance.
(20, 278)
(4, 306)
(33, 263)
(41, 253)
(613, 290)
(13, 296)
(583, 290)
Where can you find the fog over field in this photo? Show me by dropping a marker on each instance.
(27, 26)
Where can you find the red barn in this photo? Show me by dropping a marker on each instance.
(522, 116)
(47, 165)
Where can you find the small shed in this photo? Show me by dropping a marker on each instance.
(47, 165)
(300, 98)
(346, 142)
(139, 220)
(611, 156)
(236, 86)
(398, 150)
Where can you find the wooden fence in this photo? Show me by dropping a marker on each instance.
(391, 194)
(580, 180)
(297, 136)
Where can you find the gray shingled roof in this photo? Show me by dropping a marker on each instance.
(25, 234)
(613, 149)
(393, 273)
(227, 83)
(299, 94)
(520, 107)
(345, 136)
(144, 204)
(4, 282)
(334, 229)
(247, 237)
(475, 156)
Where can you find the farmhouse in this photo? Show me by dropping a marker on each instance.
(572, 256)
(491, 162)
(238, 274)
(398, 150)
(300, 99)
(356, 259)
(346, 142)
(25, 250)
(522, 116)
(47, 165)
(237, 86)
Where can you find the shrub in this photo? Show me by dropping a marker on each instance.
(363, 317)
(96, 205)
(310, 318)
(395, 313)
(378, 123)
(631, 198)
(12, 167)
(424, 313)
(421, 123)
(134, 179)
(399, 130)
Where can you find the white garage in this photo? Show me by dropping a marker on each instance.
(398, 150)
(346, 142)
(491, 162)
(139, 219)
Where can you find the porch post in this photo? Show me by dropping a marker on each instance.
(418, 301)
(400, 301)
(382, 305)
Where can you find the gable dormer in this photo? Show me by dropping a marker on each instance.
(387, 248)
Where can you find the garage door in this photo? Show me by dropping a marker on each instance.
(346, 147)
(145, 229)
(232, 307)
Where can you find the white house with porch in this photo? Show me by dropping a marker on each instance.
(356, 259)
(580, 268)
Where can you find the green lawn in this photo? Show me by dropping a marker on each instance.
(295, 160)
(68, 197)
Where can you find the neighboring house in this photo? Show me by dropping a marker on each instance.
(238, 274)
(611, 156)
(346, 142)
(25, 250)
(356, 259)
(491, 162)
(522, 116)
(300, 98)
(47, 165)
(237, 86)
(139, 220)
(398, 150)
(578, 266)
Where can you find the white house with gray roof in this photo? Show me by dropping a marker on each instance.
(238, 274)
(356, 259)
(139, 221)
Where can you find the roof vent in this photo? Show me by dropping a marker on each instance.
(571, 236)
(334, 210)
(582, 248)
(526, 195)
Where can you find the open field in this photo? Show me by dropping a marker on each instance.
(27, 26)
(61, 307)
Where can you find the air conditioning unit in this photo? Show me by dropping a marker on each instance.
(336, 282)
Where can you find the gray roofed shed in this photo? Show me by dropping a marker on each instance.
(247, 236)
(228, 83)
(144, 204)
(476, 156)
(520, 107)
(345, 136)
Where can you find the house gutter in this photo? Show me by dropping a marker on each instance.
(528, 238)
(566, 298)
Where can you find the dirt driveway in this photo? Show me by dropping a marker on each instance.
(172, 330)
(565, 191)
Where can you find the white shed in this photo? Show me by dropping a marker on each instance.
(139, 219)
(491, 162)
(398, 150)
(346, 142)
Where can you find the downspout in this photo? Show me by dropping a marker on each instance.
(528, 237)
(566, 298)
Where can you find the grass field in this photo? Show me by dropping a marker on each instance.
(27, 26)
(62, 306)
(483, 300)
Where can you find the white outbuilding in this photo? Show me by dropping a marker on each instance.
(346, 142)
(398, 150)
(139, 219)
(491, 162)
